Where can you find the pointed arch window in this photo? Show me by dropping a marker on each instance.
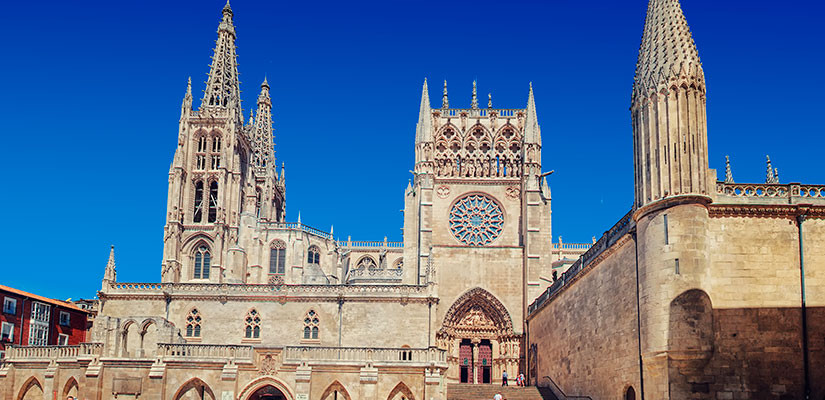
(198, 212)
(193, 324)
(200, 155)
(252, 324)
(203, 260)
(311, 322)
(277, 257)
(213, 201)
(314, 255)
(216, 153)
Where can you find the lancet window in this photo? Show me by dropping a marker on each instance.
(311, 325)
(216, 152)
(203, 260)
(213, 201)
(197, 215)
(200, 155)
(193, 323)
(313, 255)
(252, 323)
(277, 257)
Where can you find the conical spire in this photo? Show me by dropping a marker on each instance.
(728, 172)
(262, 146)
(474, 102)
(532, 131)
(223, 86)
(422, 130)
(667, 48)
(445, 102)
(111, 270)
(770, 177)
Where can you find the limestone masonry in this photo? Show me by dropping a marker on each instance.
(705, 289)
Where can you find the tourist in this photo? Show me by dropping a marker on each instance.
(520, 379)
(498, 396)
(504, 378)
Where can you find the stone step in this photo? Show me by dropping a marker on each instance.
(486, 392)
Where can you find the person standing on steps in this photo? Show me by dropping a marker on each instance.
(498, 396)
(504, 378)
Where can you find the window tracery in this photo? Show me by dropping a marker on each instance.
(314, 255)
(193, 323)
(277, 257)
(203, 260)
(253, 325)
(366, 262)
(213, 201)
(476, 220)
(311, 322)
(198, 211)
(476, 153)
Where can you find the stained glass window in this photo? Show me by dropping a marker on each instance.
(476, 220)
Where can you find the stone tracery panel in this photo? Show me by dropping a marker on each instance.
(477, 153)
(476, 220)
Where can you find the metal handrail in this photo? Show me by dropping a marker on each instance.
(558, 389)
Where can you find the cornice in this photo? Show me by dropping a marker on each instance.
(782, 211)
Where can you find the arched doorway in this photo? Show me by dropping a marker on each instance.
(630, 394)
(70, 389)
(478, 334)
(31, 390)
(194, 389)
(267, 392)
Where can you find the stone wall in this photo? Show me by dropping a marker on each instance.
(587, 334)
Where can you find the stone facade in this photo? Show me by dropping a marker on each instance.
(249, 305)
(705, 290)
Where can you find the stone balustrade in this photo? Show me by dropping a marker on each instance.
(296, 226)
(479, 112)
(16, 353)
(361, 355)
(371, 244)
(189, 351)
(125, 288)
(571, 246)
(375, 274)
(791, 193)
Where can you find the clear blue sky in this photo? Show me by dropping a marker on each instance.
(92, 90)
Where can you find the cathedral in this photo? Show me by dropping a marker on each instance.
(251, 306)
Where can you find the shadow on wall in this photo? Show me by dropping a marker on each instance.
(738, 350)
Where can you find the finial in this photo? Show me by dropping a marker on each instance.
(265, 83)
(728, 173)
(111, 271)
(251, 119)
(331, 230)
(227, 7)
(299, 218)
(776, 175)
(489, 100)
(189, 86)
(474, 103)
(770, 177)
(445, 103)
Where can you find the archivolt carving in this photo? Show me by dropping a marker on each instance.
(477, 314)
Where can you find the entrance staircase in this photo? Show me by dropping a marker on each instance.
(486, 392)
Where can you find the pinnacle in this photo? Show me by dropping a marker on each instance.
(667, 49)
(227, 7)
(265, 83)
(445, 102)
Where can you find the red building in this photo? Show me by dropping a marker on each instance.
(31, 320)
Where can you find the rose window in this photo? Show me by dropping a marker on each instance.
(476, 220)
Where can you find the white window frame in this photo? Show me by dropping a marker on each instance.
(11, 330)
(68, 319)
(62, 339)
(6, 308)
(39, 324)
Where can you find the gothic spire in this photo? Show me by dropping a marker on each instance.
(770, 177)
(422, 130)
(111, 270)
(445, 102)
(187, 98)
(728, 172)
(532, 131)
(223, 86)
(667, 50)
(262, 146)
(474, 102)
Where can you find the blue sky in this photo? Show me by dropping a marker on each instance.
(92, 92)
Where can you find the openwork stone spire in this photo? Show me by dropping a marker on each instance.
(532, 131)
(223, 86)
(668, 109)
(728, 172)
(262, 145)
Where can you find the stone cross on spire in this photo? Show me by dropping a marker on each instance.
(770, 176)
(223, 86)
(445, 102)
(474, 102)
(728, 173)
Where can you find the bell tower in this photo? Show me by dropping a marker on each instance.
(222, 170)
